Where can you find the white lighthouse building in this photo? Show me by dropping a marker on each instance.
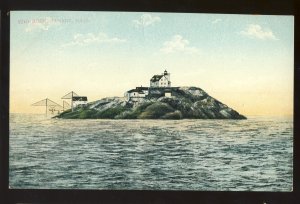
(161, 80)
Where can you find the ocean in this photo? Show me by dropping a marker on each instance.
(204, 155)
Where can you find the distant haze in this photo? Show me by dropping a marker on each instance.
(244, 61)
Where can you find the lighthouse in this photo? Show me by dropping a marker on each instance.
(161, 80)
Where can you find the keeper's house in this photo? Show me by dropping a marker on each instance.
(137, 93)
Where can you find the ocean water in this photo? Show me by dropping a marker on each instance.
(204, 155)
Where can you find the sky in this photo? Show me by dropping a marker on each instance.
(244, 61)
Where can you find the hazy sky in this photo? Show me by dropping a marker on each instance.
(245, 61)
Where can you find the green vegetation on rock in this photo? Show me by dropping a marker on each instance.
(110, 113)
(155, 111)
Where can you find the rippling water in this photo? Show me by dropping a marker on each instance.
(254, 154)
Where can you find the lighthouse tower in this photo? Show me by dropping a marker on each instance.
(167, 75)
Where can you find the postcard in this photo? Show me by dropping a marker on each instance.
(151, 101)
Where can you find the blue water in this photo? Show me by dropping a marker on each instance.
(222, 155)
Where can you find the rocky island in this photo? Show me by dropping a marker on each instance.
(158, 103)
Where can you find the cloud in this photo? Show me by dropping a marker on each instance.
(91, 38)
(42, 24)
(178, 44)
(146, 20)
(256, 31)
(216, 21)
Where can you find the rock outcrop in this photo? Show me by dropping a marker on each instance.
(185, 103)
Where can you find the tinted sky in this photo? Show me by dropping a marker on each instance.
(245, 61)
